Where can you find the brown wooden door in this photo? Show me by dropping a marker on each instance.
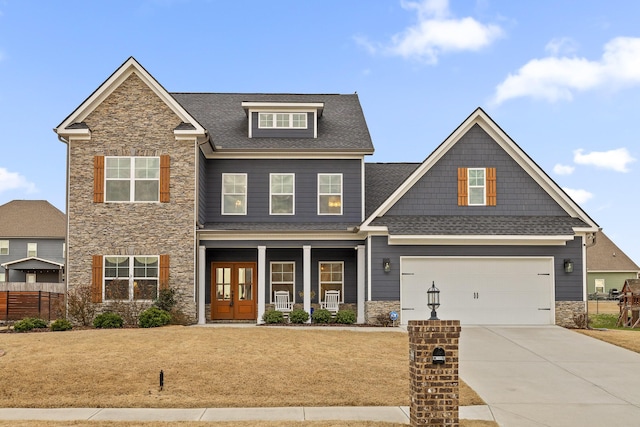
(233, 291)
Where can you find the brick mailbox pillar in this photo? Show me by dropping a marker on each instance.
(433, 372)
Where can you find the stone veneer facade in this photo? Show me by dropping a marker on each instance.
(133, 121)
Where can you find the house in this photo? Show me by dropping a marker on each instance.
(608, 266)
(230, 197)
(32, 244)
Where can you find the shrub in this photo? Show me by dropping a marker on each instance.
(108, 320)
(61, 325)
(346, 317)
(298, 316)
(273, 316)
(383, 319)
(80, 307)
(166, 299)
(29, 323)
(321, 316)
(153, 317)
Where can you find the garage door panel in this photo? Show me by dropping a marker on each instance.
(480, 290)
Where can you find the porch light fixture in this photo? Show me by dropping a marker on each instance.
(433, 300)
(568, 266)
(386, 265)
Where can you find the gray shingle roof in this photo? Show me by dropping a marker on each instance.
(439, 225)
(382, 179)
(342, 126)
(32, 218)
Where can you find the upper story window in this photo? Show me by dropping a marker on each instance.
(330, 194)
(282, 120)
(32, 249)
(234, 194)
(4, 247)
(132, 179)
(282, 187)
(477, 187)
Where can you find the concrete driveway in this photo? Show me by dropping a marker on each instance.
(550, 376)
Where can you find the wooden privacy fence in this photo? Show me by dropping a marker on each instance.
(16, 305)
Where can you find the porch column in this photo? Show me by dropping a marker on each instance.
(306, 279)
(202, 261)
(360, 283)
(262, 256)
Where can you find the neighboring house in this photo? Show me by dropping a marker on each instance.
(608, 266)
(231, 197)
(32, 242)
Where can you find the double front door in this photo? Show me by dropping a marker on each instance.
(233, 291)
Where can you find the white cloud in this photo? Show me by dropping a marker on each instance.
(435, 33)
(578, 196)
(616, 160)
(564, 45)
(14, 181)
(559, 78)
(563, 169)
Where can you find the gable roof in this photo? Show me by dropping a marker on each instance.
(341, 128)
(73, 125)
(381, 180)
(480, 118)
(32, 218)
(604, 255)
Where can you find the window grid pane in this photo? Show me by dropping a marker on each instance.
(234, 189)
(132, 179)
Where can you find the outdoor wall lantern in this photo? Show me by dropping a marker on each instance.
(386, 265)
(568, 266)
(433, 300)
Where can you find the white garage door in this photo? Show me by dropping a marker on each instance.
(492, 291)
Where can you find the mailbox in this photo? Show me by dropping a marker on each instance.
(438, 356)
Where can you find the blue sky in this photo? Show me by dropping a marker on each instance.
(562, 78)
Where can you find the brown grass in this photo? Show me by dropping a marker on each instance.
(629, 339)
(603, 307)
(207, 367)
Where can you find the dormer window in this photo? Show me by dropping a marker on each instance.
(282, 120)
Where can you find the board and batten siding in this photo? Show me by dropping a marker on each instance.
(436, 193)
(306, 188)
(386, 286)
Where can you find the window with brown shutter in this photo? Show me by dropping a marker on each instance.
(462, 187)
(98, 179)
(491, 187)
(164, 178)
(96, 279)
(164, 272)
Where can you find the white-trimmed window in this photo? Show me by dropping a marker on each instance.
(4, 247)
(283, 278)
(3, 277)
(599, 285)
(132, 179)
(331, 278)
(282, 120)
(282, 199)
(477, 185)
(30, 278)
(32, 249)
(329, 194)
(234, 194)
(128, 278)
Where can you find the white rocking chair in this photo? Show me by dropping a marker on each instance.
(331, 302)
(282, 302)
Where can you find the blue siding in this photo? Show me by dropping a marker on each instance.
(48, 249)
(306, 189)
(437, 191)
(202, 188)
(386, 286)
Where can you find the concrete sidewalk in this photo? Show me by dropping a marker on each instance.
(394, 414)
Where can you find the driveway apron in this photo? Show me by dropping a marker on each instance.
(550, 376)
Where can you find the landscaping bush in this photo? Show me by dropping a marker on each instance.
(61, 325)
(29, 323)
(108, 320)
(153, 317)
(81, 309)
(298, 316)
(166, 299)
(346, 317)
(321, 316)
(273, 316)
